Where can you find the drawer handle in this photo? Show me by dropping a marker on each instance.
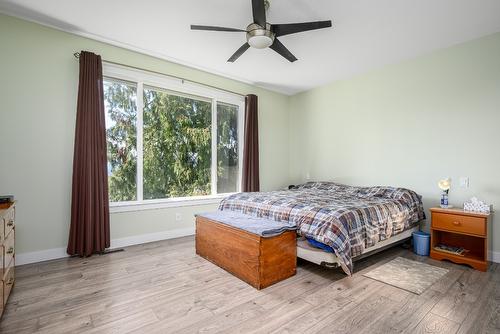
(10, 250)
(456, 223)
(11, 222)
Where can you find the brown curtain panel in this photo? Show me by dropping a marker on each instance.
(89, 230)
(250, 181)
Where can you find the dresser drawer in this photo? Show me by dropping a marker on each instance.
(3, 223)
(8, 283)
(3, 265)
(460, 224)
(8, 249)
(2, 304)
(9, 221)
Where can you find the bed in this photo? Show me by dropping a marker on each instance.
(351, 220)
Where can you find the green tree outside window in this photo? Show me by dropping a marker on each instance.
(177, 137)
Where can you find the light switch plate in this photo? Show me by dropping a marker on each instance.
(464, 182)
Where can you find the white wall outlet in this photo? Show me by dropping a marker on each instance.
(178, 217)
(464, 182)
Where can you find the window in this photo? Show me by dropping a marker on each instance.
(121, 132)
(169, 140)
(227, 148)
(177, 145)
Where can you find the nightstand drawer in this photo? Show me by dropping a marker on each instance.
(456, 223)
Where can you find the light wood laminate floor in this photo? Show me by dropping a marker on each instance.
(164, 287)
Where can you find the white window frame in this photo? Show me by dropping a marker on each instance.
(143, 78)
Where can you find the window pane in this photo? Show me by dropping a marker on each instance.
(121, 116)
(227, 148)
(177, 145)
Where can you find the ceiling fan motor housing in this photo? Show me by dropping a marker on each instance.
(258, 37)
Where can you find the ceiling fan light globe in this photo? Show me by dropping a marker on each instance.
(258, 37)
(260, 42)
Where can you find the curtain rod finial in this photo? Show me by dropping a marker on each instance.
(77, 55)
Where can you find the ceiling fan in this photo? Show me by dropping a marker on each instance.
(261, 34)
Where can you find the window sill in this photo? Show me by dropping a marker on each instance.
(118, 207)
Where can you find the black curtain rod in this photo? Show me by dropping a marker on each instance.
(77, 56)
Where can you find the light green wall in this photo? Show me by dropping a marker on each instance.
(38, 87)
(408, 125)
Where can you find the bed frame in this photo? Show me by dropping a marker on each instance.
(247, 256)
(330, 260)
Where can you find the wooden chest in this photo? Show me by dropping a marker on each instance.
(258, 261)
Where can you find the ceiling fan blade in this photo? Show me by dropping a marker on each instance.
(292, 28)
(212, 28)
(282, 50)
(259, 12)
(238, 52)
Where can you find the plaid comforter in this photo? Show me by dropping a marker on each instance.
(347, 218)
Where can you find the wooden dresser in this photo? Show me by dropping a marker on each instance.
(459, 228)
(7, 252)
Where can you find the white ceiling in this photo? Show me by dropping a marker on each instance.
(366, 34)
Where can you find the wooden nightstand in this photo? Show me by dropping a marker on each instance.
(459, 228)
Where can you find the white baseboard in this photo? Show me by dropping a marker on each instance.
(58, 253)
(494, 257)
(150, 237)
(39, 256)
